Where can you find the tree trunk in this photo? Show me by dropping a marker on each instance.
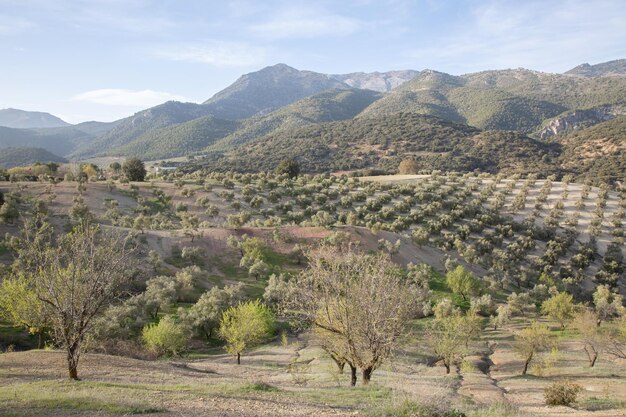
(352, 375)
(367, 375)
(592, 356)
(207, 333)
(447, 365)
(526, 364)
(73, 355)
(40, 344)
(238, 358)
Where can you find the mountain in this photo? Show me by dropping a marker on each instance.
(266, 90)
(328, 106)
(382, 142)
(282, 108)
(22, 119)
(604, 69)
(96, 128)
(382, 82)
(58, 140)
(516, 99)
(14, 157)
(255, 93)
(178, 140)
(127, 130)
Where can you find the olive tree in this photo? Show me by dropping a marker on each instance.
(462, 282)
(134, 169)
(204, 316)
(560, 308)
(608, 304)
(75, 275)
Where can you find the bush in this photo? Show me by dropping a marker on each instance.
(408, 166)
(289, 167)
(562, 393)
(134, 169)
(165, 337)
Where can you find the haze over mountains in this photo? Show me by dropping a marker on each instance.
(327, 120)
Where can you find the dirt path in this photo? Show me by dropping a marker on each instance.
(479, 385)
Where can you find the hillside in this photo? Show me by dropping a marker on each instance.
(383, 142)
(60, 140)
(505, 231)
(22, 119)
(604, 69)
(178, 140)
(131, 128)
(14, 157)
(578, 119)
(505, 100)
(328, 106)
(597, 152)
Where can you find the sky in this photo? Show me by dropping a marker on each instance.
(107, 59)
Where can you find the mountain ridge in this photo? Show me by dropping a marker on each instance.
(23, 119)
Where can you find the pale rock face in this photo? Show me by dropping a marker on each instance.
(377, 81)
(581, 118)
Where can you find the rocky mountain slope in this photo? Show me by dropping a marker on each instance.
(266, 90)
(382, 82)
(616, 67)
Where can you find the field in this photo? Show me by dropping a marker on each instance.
(300, 380)
(506, 231)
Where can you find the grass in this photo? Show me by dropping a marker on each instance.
(259, 386)
(440, 290)
(598, 404)
(74, 396)
(408, 408)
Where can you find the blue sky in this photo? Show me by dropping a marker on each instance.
(106, 59)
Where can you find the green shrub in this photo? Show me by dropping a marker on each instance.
(165, 337)
(562, 393)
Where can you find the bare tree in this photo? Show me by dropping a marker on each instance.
(616, 334)
(75, 275)
(593, 337)
(362, 301)
(449, 337)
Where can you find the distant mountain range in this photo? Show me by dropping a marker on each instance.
(21, 119)
(617, 67)
(280, 110)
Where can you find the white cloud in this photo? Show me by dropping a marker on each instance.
(127, 98)
(302, 23)
(218, 54)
